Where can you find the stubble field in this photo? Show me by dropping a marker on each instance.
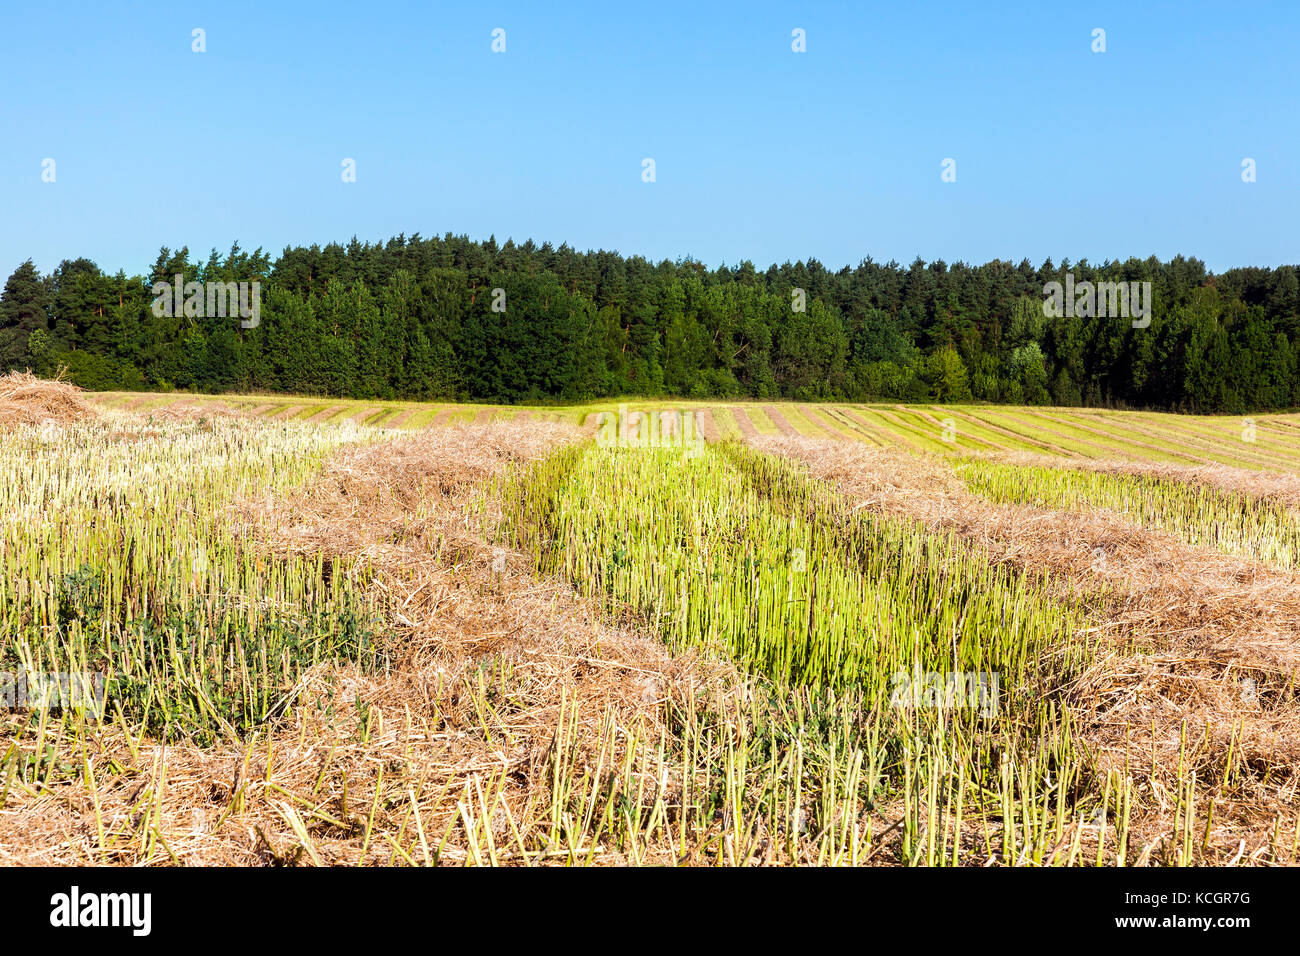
(732, 634)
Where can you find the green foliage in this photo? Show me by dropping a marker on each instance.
(946, 375)
(449, 318)
(92, 371)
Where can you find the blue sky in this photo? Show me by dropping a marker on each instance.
(761, 153)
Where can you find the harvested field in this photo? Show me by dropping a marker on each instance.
(1196, 678)
(779, 420)
(744, 422)
(1076, 434)
(881, 635)
(704, 422)
(330, 411)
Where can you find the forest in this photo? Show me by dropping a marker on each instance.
(458, 319)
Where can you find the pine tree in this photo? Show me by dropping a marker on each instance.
(22, 312)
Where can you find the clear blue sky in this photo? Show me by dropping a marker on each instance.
(761, 153)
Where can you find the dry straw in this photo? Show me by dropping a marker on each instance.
(28, 400)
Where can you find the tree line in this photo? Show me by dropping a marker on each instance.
(454, 318)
